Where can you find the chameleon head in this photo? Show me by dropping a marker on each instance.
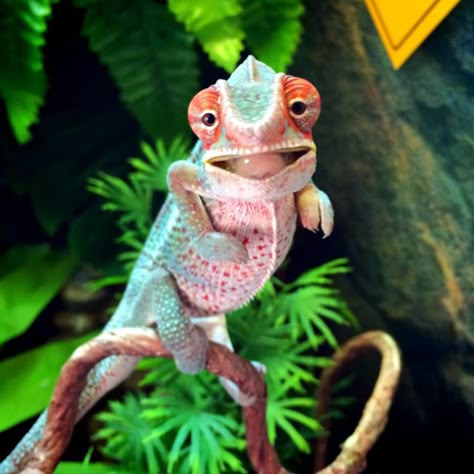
(257, 124)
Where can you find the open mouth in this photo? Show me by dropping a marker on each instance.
(259, 165)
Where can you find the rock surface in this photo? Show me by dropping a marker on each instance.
(397, 150)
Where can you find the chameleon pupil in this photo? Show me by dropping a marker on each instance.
(298, 107)
(208, 119)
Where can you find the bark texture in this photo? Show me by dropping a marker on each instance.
(396, 155)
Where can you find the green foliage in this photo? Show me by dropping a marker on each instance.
(312, 299)
(30, 276)
(216, 25)
(81, 468)
(273, 29)
(85, 467)
(38, 368)
(22, 77)
(127, 432)
(150, 58)
(189, 424)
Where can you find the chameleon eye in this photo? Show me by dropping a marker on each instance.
(298, 107)
(203, 115)
(303, 102)
(209, 119)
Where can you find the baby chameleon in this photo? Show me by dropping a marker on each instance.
(226, 225)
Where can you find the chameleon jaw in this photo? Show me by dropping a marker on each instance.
(257, 164)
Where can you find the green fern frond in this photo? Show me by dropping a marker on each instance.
(23, 25)
(152, 170)
(216, 25)
(149, 56)
(273, 30)
(130, 199)
(203, 440)
(310, 300)
(322, 274)
(289, 414)
(128, 436)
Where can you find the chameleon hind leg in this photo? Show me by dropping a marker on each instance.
(216, 329)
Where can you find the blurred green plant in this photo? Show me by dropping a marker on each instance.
(189, 424)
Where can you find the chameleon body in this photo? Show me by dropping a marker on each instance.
(226, 225)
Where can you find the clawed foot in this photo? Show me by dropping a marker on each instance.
(236, 394)
(315, 210)
(220, 247)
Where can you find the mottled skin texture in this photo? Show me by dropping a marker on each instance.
(226, 226)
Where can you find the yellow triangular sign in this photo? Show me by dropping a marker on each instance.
(404, 24)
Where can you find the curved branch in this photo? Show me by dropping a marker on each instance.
(221, 361)
(352, 458)
(144, 342)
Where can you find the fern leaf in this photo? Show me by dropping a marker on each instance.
(216, 25)
(150, 58)
(203, 440)
(23, 25)
(273, 30)
(152, 172)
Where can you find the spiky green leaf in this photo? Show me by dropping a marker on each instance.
(273, 30)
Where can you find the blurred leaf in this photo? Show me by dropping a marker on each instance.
(216, 24)
(150, 58)
(81, 468)
(31, 379)
(22, 77)
(30, 276)
(273, 30)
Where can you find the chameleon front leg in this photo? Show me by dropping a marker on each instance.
(186, 187)
(315, 209)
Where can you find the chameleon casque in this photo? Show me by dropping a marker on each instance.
(226, 226)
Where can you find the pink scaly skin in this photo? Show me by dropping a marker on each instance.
(226, 226)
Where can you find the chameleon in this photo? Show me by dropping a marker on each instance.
(226, 226)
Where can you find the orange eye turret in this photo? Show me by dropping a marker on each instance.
(203, 115)
(303, 102)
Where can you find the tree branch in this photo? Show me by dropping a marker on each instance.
(143, 342)
(352, 458)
